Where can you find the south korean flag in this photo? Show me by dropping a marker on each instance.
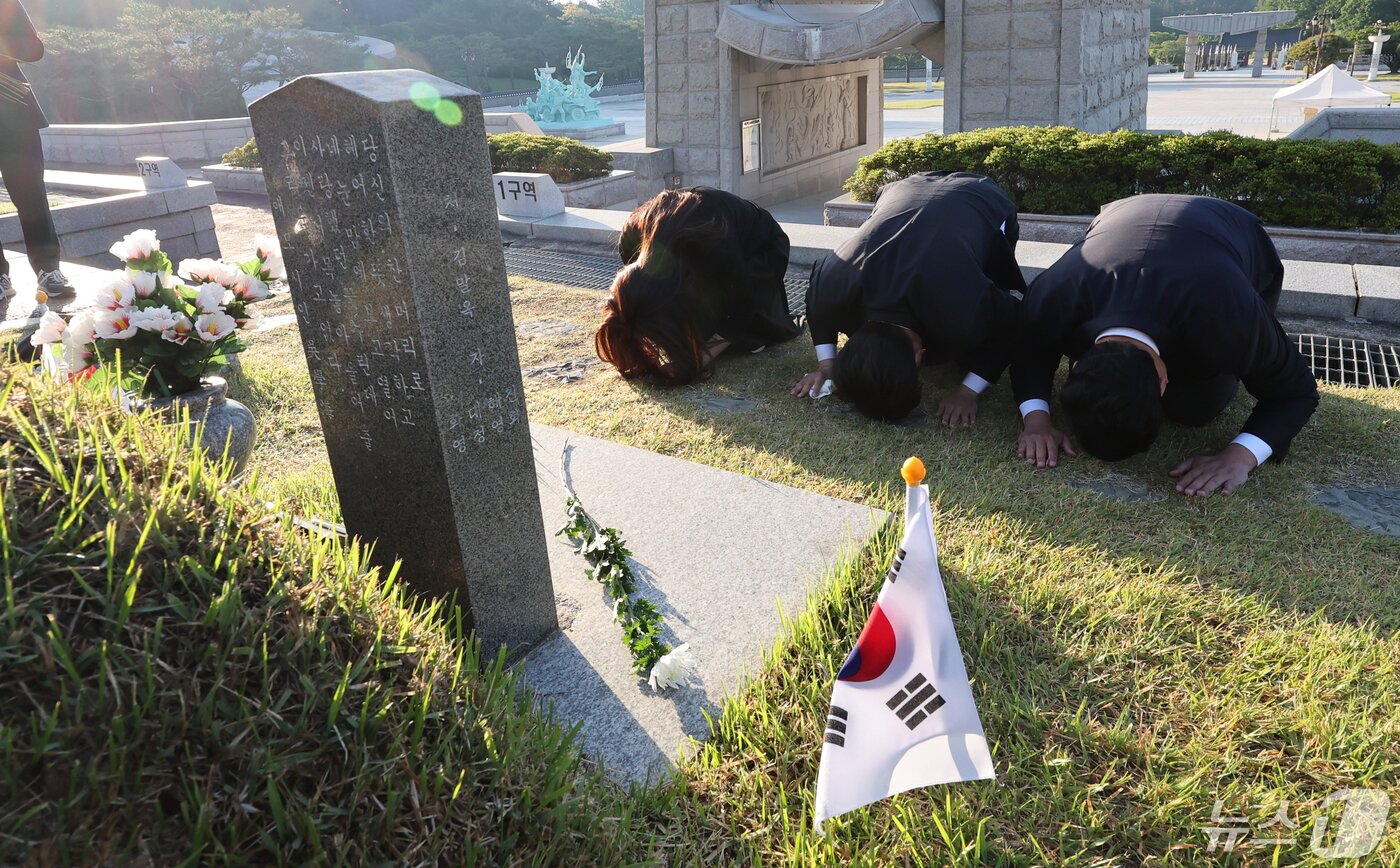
(902, 714)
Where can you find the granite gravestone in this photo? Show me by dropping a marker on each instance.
(380, 187)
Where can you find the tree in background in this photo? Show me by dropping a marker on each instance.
(134, 60)
(1167, 47)
(166, 63)
(1351, 14)
(1335, 47)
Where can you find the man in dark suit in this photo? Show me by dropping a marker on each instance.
(22, 153)
(928, 278)
(1165, 307)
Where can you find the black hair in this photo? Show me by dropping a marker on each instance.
(1113, 400)
(877, 373)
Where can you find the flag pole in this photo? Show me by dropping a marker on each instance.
(913, 472)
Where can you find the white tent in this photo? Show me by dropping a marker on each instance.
(1330, 87)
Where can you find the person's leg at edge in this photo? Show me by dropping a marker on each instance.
(22, 166)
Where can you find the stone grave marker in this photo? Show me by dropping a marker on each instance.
(379, 184)
(160, 173)
(527, 194)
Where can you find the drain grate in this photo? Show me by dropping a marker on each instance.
(1350, 362)
(570, 269)
(596, 272)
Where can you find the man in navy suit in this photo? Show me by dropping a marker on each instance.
(22, 153)
(928, 278)
(1164, 308)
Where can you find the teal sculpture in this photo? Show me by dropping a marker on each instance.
(569, 104)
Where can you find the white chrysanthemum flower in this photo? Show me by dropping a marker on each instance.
(144, 282)
(51, 329)
(213, 327)
(270, 252)
(248, 288)
(170, 280)
(673, 670)
(180, 331)
(209, 297)
(155, 319)
(114, 325)
(117, 293)
(138, 245)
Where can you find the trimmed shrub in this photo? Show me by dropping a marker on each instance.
(564, 160)
(186, 679)
(1060, 170)
(244, 156)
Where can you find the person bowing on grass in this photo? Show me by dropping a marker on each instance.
(1164, 308)
(928, 278)
(702, 272)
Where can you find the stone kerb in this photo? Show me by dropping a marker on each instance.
(235, 179)
(120, 144)
(87, 229)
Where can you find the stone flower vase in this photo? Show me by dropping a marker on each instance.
(225, 420)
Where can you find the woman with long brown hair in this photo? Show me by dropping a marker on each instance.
(702, 272)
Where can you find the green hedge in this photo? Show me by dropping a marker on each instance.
(186, 679)
(244, 156)
(564, 160)
(1061, 170)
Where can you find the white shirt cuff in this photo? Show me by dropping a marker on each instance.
(975, 383)
(826, 351)
(1261, 450)
(1029, 407)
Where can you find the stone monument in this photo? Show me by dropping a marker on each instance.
(1258, 23)
(778, 101)
(1377, 40)
(380, 187)
(570, 109)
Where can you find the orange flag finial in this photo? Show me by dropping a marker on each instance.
(912, 471)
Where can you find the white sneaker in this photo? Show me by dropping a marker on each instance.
(7, 287)
(54, 283)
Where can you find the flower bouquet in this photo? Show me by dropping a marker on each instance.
(156, 331)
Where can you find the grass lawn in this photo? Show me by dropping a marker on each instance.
(913, 104)
(909, 86)
(1133, 663)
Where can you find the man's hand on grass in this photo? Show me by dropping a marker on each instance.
(1208, 474)
(1040, 442)
(810, 384)
(958, 409)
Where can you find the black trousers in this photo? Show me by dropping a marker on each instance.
(22, 167)
(1197, 403)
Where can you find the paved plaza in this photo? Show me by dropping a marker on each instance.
(1211, 101)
